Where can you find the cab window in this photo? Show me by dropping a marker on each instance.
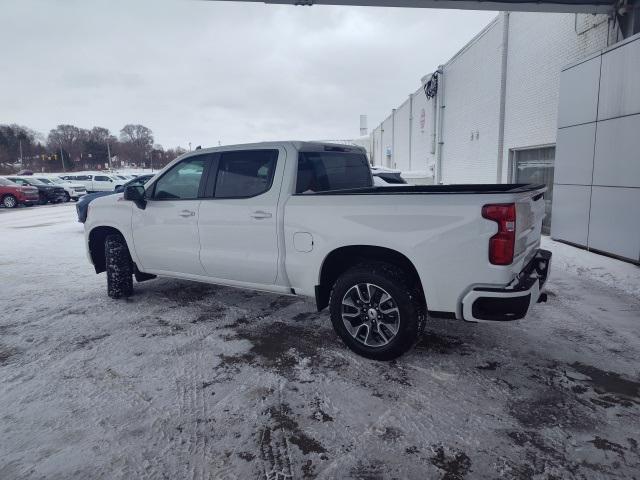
(245, 173)
(182, 182)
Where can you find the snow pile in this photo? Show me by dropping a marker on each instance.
(614, 273)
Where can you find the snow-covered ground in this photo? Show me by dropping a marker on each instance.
(192, 381)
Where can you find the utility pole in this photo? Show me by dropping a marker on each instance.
(62, 159)
(109, 155)
(21, 165)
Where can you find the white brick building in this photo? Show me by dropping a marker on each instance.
(494, 118)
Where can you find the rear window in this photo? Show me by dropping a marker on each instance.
(322, 171)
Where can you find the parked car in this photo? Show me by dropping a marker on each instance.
(46, 193)
(83, 205)
(389, 176)
(305, 219)
(73, 190)
(95, 182)
(12, 194)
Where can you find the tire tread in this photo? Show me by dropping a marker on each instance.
(119, 267)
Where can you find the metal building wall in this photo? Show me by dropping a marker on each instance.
(422, 158)
(472, 106)
(387, 157)
(401, 137)
(597, 178)
(376, 146)
(540, 45)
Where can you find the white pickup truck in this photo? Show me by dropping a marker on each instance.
(305, 219)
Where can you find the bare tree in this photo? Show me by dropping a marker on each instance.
(136, 143)
(68, 142)
(19, 146)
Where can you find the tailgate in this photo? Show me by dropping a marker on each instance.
(530, 210)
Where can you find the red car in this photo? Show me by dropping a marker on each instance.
(11, 194)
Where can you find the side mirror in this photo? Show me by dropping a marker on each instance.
(136, 194)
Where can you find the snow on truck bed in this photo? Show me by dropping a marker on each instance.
(193, 381)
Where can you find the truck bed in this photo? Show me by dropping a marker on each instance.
(486, 188)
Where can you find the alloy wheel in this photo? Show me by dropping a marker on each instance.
(370, 314)
(9, 201)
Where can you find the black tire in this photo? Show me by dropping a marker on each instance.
(42, 200)
(9, 201)
(406, 299)
(67, 197)
(119, 267)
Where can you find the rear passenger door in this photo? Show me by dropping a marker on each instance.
(238, 219)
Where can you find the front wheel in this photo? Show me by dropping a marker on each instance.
(119, 267)
(67, 197)
(9, 201)
(377, 310)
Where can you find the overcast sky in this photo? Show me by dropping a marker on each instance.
(203, 72)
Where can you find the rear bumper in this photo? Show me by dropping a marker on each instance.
(513, 301)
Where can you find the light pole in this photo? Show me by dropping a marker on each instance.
(109, 155)
(62, 159)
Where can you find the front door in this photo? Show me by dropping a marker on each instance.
(238, 223)
(165, 233)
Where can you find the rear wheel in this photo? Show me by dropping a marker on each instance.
(9, 201)
(119, 267)
(377, 310)
(67, 197)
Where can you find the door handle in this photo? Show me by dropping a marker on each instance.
(260, 215)
(187, 213)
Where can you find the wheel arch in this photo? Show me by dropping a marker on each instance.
(341, 259)
(97, 237)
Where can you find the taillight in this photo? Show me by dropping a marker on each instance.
(502, 244)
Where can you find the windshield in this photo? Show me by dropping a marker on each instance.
(6, 182)
(44, 180)
(33, 181)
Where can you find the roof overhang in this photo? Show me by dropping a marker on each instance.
(566, 6)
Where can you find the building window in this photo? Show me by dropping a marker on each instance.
(535, 165)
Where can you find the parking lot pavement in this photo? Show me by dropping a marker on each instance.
(185, 380)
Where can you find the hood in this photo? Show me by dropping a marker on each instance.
(109, 198)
